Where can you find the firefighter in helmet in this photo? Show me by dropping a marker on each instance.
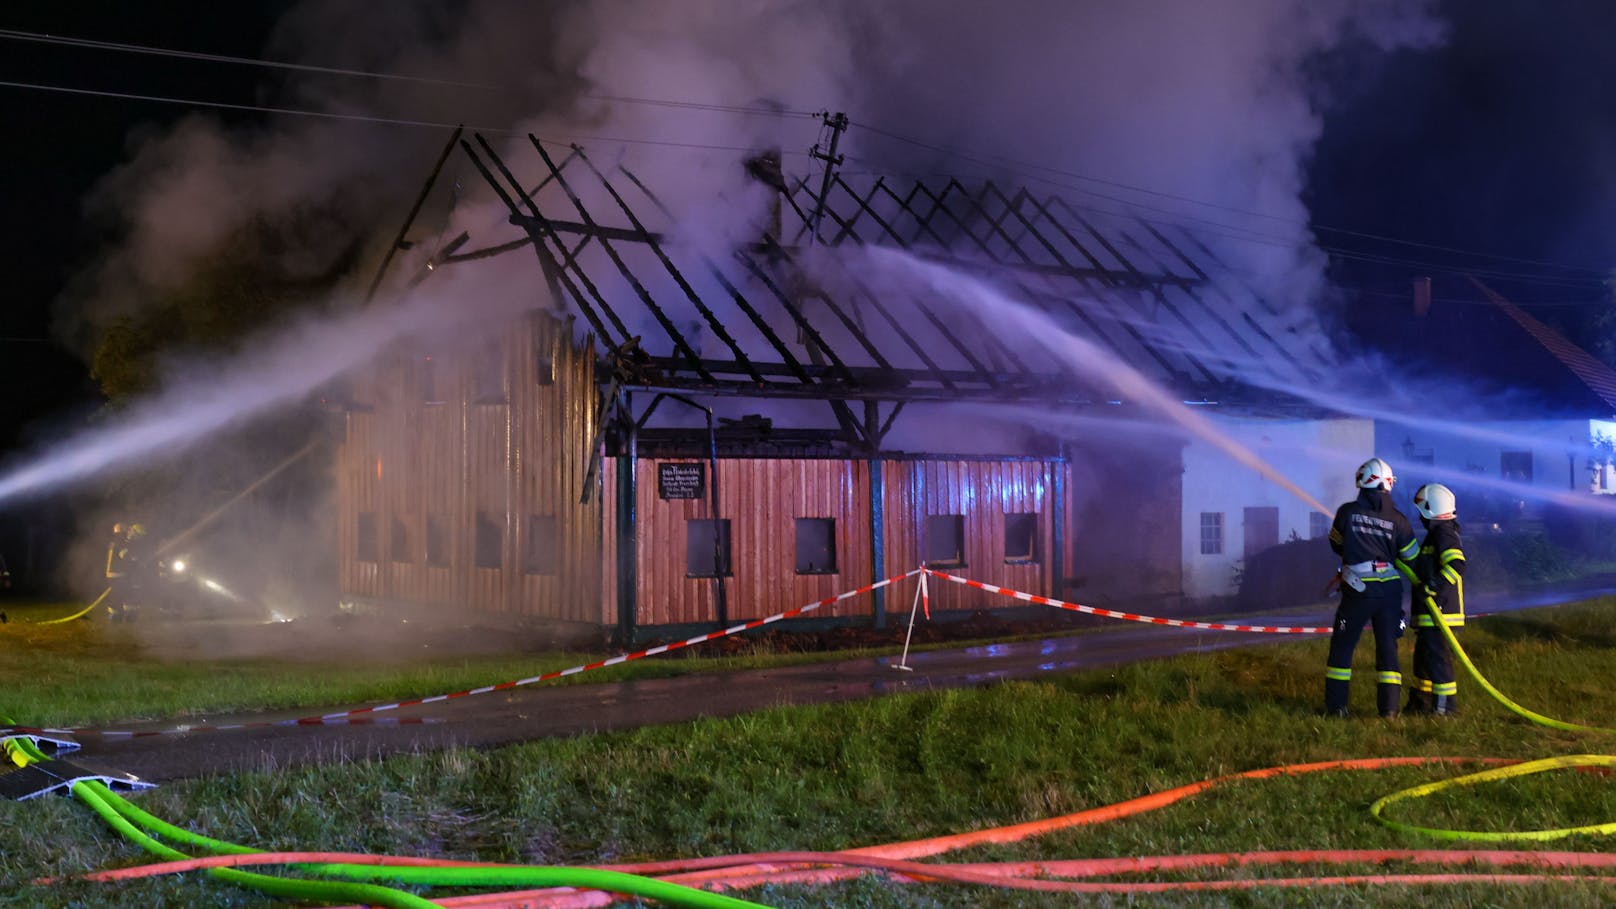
(1375, 543)
(1438, 597)
(126, 564)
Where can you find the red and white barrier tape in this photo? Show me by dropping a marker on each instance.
(357, 716)
(1128, 616)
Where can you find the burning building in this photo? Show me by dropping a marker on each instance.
(891, 370)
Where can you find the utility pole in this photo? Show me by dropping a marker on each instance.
(837, 124)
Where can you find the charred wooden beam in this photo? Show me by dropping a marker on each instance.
(739, 298)
(902, 385)
(399, 241)
(599, 231)
(677, 337)
(865, 208)
(540, 245)
(713, 321)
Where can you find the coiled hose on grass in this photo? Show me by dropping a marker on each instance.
(129, 820)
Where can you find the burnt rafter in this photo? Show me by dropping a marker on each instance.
(776, 322)
(541, 242)
(674, 335)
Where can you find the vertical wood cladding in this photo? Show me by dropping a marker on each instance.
(761, 498)
(470, 465)
(981, 493)
(496, 434)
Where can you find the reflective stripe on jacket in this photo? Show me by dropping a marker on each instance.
(1370, 530)
(1440, 568)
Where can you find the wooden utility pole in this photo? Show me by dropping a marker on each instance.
(837, 124)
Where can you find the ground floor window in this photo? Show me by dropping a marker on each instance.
(1211, 533)
(1020, 537)
(707, 548)
(1515, 465)
(945, 540)
(816, 546)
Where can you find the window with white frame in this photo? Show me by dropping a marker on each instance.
(1211, 533)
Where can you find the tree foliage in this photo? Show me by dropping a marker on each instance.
(262, 275)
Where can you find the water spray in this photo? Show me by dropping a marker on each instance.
(1079, 355)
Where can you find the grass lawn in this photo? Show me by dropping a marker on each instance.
(834, 777)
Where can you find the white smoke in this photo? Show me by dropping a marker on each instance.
(1200, 100)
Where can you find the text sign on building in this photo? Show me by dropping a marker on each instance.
(681, 480)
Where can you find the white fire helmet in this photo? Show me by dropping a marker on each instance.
(1375, 474)
(1435, 501)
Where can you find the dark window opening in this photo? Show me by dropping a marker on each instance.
(816, 546)
(1020, 537)
(707, 548)
(489, 541)
(1515, 465)
(398, 541)
(437, 541)
(539, 552)
(369, 549)
(1211, 533)
(945, 540)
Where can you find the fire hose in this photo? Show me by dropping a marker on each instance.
(126, 818)
(138, 825)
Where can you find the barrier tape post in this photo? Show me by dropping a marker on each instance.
(920, 594)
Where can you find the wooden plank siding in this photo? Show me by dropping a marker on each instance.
(490, 439)
(505, 434)
(982, 492)
(762, 499)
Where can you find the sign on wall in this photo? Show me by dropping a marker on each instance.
(681, 480)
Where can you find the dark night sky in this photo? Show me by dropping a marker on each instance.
(1502, 141)
(60, 144)
(1499, 141)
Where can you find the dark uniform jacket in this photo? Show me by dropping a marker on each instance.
(1440, 569)
(1375, 543)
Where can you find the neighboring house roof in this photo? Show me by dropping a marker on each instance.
(1477, 355)
(1599, 377)
(759, 323)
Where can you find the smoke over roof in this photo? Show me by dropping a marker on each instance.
(1206, 101)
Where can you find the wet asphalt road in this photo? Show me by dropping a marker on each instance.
(538, 711)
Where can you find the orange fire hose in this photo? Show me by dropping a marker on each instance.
(740, 871)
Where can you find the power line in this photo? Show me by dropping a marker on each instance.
(363, 118)
(35, 37)
(251, 108)
(16, 35)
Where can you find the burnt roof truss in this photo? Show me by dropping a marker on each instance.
(763, 321)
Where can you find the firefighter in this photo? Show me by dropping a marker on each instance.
(125, 566)
(1438, 596)
(1375, 543)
